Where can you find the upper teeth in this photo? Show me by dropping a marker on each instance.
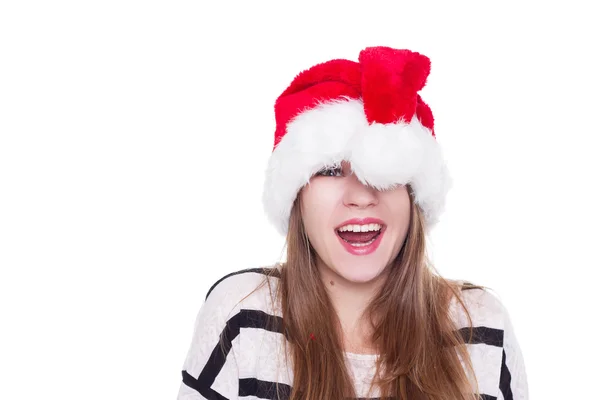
(360, 228)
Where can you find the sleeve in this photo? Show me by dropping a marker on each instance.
(210, 369)
(513, 376)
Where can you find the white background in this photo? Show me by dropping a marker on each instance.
(134, 137)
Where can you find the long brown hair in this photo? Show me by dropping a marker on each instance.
(420, 349)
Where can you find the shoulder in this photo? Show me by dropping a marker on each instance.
(500, 359)
(246, 286)
(484, 306)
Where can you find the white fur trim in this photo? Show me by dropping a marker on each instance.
(381, 155)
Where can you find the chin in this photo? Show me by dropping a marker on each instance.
(360, 272)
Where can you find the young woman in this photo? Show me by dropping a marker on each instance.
(355, 181)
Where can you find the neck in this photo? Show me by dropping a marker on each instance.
(350, 300)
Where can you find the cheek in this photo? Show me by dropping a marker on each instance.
(318, 206)
(315, 220)
(398, 204)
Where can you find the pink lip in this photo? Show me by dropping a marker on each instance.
(364, 250)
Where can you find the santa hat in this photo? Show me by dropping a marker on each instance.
(368, 113)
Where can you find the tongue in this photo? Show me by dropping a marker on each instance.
(358, 237)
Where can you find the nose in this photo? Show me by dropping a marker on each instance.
(359, 195)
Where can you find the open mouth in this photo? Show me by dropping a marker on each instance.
(360, 235)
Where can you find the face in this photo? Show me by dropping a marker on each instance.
(356, 230)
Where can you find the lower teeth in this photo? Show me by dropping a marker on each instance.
(362, 244)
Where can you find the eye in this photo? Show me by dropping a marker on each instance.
(331, 171)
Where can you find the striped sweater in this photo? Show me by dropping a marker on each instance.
(237, 351)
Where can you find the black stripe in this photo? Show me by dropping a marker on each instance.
(265, 271)
(483, 334)
(505, 379)
(487, 397)
(244, 319)
(469, 286)
(208, 393)
(264, 389)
